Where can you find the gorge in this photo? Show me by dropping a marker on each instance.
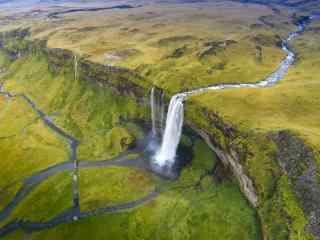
(88, 152)
(166, 154)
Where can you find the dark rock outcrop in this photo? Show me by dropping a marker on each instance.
(214, 47)
(299, 162)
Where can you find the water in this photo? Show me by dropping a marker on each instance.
(166, 155)
(172, 134)
(153, 111)
(157, 112)
(75, 67)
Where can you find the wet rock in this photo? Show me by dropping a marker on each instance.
(298, 160)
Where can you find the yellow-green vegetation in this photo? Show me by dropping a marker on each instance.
(15, 235)
(291, 104)
(105, 187)
(217, 212)
(175, 47)
(193, 207)
(35, 149)
(179, 46)
(47, 200)
(279, 209)
(106, 144)
(93, 114)
(17, 111)
(7, 193)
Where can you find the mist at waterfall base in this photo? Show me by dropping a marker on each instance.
(166, 159)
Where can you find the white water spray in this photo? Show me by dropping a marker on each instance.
(172, 134)
(174, 123)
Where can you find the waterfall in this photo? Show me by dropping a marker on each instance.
(153, 111)
(172, 134)
(75, 67)
(157, 111)
(165, 156)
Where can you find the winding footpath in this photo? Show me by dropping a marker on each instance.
(33, 181)
(74, 213)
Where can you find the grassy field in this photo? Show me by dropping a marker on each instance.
(26, 146)
(109, 186)
(175, 47)
(93, 115)
(49, 199)
(187, 209)
(291, 104)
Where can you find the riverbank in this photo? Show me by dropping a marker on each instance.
(234, 131)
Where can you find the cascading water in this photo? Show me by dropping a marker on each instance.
(153, 112)
(165, 156)
(157, 112)
(75, 67)
(172, 134)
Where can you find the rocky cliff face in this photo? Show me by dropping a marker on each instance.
(261, 168)
(231, 160)
(296, 159)
(299, 163)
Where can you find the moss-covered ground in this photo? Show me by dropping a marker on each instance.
(105, 187)
(194, 206)
(175, 47)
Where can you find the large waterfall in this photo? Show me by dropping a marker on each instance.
(165, 156)
(172, 134)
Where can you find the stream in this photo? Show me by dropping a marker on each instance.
(33, 181)
(164, 158)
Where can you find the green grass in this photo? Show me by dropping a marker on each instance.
(215, 213)
(194, 207)
(15, 111)
(157, 31)
(7, 193)
(35, 149)
(47, 200)
(113, 185)
(94, 115)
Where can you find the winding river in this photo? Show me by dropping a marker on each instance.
(164, 157)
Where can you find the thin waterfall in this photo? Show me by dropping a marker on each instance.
(162, 113)
(153, 111)
(166, 155)
(75, 67)
(157, 111)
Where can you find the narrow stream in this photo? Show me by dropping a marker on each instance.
(164, 157)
